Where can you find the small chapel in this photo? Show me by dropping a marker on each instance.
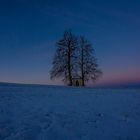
(77, 81)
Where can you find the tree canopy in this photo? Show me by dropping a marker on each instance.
(74, 57)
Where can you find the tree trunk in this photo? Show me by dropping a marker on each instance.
(69, 65)
(82, 67)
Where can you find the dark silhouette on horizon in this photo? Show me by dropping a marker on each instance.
(74, 60)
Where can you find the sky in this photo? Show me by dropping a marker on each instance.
(30, 28)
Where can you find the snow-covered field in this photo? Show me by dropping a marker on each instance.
(64, 113)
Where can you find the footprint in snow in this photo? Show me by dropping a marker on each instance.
(47, 121)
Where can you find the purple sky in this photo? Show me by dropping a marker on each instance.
(29, 30)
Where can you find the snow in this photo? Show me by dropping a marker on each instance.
(68, 113)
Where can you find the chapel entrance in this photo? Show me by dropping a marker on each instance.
(77, 83)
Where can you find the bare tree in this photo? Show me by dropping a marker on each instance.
(63, 62)
(74, 57)
(87, 62)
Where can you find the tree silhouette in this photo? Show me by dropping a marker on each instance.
(63, 62)
(87, 62)
(74, 57)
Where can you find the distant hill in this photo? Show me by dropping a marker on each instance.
(126, 85)
(18, 84)
(123, 85)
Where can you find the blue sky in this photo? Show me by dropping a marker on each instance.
(29, 30)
